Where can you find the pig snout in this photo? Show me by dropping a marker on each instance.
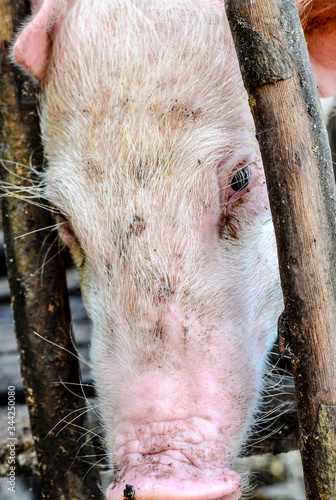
(181, 414)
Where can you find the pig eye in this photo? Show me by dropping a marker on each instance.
(240, 181)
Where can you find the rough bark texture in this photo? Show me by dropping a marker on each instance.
(296, 155)
(34, 264)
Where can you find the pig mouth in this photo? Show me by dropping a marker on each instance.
(171, 480)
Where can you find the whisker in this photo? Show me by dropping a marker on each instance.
(71, 421)
(53, 226)
(46, 261)
(65, 384)
(79, 357)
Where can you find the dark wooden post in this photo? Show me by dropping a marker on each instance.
(284, 101)
(39, 295)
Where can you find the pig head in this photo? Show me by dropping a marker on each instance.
(155, 170)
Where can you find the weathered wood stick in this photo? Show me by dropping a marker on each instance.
(284, 101)
(48, 360)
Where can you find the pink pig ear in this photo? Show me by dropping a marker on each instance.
(320, 32)
(32, 47)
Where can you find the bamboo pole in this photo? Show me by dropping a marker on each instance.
(39, 295)
(293, 141)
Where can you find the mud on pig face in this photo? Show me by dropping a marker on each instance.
(155, 169)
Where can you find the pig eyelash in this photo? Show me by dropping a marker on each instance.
(241, 177)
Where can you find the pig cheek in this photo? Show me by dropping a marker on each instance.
(268, 297)
(248, 242)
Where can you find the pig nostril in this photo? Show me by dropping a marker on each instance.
(129, 492)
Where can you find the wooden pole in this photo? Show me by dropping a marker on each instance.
(284, 101)
(39, 295)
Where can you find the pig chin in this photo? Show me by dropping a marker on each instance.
(180, 418)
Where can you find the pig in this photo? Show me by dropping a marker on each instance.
(157, 177)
